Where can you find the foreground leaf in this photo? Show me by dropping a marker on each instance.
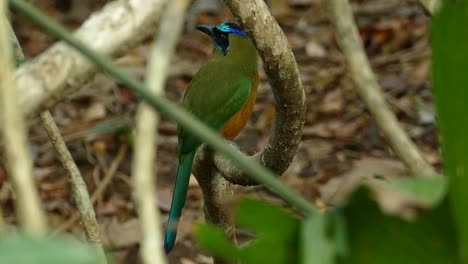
(381, 239)
(449, 37)
(22, 249)
(276, 235)
(427, 191)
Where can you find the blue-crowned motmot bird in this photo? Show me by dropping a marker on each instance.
(222, 95)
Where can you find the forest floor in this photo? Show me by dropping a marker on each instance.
(340, 137)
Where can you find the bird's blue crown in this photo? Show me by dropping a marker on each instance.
(229, 27)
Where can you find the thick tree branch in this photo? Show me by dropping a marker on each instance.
(217, 191)
(18, 160)
(143, 170)
(370, 91)
(283, 76)
(60, 70)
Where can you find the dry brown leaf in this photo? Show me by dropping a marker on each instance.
(314, 49)
(120, 234)
(338, 189)
(332, 103)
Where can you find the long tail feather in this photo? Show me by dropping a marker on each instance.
(178, 199)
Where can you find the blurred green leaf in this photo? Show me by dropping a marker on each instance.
(381, 239)
(265, 219)
(276, 235)
(429, 191)
(213, 240)
(22, 249)
(449, 37)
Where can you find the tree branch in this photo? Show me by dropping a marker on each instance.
(18, 160)
(79, 190)
(60, 69)
(370, 91)
(217, 191)
(145, 140)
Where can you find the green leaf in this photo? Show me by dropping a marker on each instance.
(428, 191)
(276, 235)
(381, 239)
(23, 249)
(213, 240)
(264, 219)
(449, 37)
(315, 246)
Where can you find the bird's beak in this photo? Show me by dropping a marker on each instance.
(205, 29)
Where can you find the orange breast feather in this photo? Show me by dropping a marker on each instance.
(238, 121)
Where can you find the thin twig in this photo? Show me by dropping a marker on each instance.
(371, 92)
(145, 140)
(79, 190)
(110, 173)
(18, 159)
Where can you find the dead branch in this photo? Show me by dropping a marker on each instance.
(18, 160)
(79, 190)
(60, 70)
(143, 170)
(370, 91)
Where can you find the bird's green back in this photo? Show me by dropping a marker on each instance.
(225, 83)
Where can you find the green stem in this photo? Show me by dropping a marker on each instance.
(188, 121)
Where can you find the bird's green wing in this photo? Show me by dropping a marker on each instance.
(214, 98)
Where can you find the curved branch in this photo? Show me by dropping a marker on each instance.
(283, 75)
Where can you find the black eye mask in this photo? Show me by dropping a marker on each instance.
(221, 40)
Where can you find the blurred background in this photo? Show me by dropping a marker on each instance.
(340, 138)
